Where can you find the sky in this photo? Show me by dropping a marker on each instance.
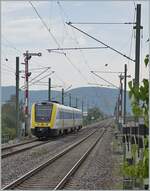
(23, 30)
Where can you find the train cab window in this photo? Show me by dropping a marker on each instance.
(43, 112)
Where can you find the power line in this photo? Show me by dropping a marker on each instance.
(132, 34)
(76, 41)
(70, 24)
(33, 69)
(42, 78)
(107, 72)
(103, 85)
(8, 70)
(73, 48)
(45, 25)
(104, 80)
(11, 45)
(104, 23)
(76, 68)
(39, 74)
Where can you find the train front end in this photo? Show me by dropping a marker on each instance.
(42, 119)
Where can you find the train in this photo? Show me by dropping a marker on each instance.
(53, 119)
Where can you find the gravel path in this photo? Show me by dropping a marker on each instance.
(99, 171)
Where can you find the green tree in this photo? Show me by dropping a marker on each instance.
(94, 114)
(140, 108)
(9, 117)
(140, 97)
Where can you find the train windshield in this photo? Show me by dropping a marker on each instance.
(43, 112)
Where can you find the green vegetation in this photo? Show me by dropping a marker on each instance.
(94, 114)
(140, 108)
(9, 118)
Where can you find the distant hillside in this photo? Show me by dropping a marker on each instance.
(104, 98)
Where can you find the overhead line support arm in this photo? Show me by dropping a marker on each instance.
(70, 24)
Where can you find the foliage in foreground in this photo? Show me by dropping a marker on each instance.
(140, 108)
(9, 118)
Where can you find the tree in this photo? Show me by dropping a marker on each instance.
(9, 117)
(140, 108)
(140, 97)
(94, 114)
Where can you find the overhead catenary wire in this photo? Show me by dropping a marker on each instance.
(104, 23)
(42, 78)
(39, 74)
(87, 65)
(74, 48)
(11, 45)
(44, 23)
(51, 34)
(131, 41)
(8, 70)
(104, 80)
(109, 72)
(80, 50)
(70, 24)
(33, 69)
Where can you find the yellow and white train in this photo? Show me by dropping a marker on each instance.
(52, 119)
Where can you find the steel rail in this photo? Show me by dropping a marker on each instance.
(18, 144)
(17, 182)
(22, 150)
(62, 183)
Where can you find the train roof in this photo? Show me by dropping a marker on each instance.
(59, 105)
(66, 107)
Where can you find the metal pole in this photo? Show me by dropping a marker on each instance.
(17, 96)
(49, 89)
(125, 89)
(27, 74)
(26, 93)
(62, 96)
(70, 99)
(138, 27)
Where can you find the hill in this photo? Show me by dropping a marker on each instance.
(104, 98)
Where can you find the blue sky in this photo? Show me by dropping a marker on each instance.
(23, 30)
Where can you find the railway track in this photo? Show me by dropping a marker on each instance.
(18, 148)
(16, 145)
(55, 172)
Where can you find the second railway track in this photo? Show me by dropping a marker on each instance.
(18, 148)
(54, 173)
